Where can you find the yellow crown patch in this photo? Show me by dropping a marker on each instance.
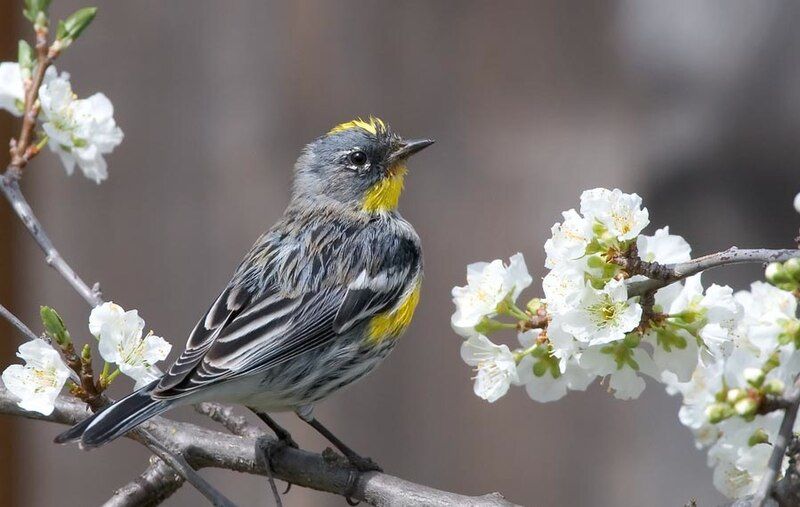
(372, 125)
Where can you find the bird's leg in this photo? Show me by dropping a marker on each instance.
(361, 463)
(266, 446)
(282, 433)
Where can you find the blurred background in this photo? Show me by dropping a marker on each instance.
(693, 104)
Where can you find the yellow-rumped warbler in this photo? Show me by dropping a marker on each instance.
(317, 302)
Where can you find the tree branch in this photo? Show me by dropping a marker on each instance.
(671, 273)
(202, 448)
(10, 187)
(10, 317)
(157, 483)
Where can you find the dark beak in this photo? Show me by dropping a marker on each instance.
(411, 147)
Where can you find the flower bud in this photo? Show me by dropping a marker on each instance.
(718, 412)
(774, 386)
(792, 268)
(775, 274)
(754, 376)
(746, 407)
(735, 395)
(759, 436)
(54, 325)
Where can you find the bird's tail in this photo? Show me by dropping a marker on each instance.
(117, 419)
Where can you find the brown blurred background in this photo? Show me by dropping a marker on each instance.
(695, 105)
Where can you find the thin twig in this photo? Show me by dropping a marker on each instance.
(4, 312)
(672, 273)
(764, 490)
(10, 187)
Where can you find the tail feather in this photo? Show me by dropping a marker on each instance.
(116, 420)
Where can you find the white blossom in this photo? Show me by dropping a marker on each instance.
(557, 378)
(620, 213)
(624, 378)
(81, 131)
(602, 316)
(121, 342)
(796, 203)
(37, 383)
(488, 284)
(569, 239)
(663, 247)
(495, 366)
(12, 91)
(768, 311)
(563, 287)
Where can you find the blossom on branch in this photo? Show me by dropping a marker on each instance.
(121, 342)
(80, 131)
(488, 285)
(40, 380)
(495, 367)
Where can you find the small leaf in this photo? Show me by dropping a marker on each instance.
(25, 56)
(54, 325)
(75, 24)
(34, 7)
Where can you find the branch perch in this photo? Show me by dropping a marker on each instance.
(204, 448)
(672, 273)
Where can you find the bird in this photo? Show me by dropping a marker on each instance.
(317, 303)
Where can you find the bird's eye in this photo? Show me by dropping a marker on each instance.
(358, 158)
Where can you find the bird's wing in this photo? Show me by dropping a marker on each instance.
(242, 334)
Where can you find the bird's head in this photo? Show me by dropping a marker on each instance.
(361, 163)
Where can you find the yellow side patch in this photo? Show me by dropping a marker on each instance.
(392, 323)
(372, 125)
(385, 195)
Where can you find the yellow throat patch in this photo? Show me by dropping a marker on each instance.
(385, 195)
(392, 323)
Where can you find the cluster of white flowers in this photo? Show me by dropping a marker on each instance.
(724, 352)
(80, 131)
(121, 341)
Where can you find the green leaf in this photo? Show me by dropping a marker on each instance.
(54, 325)
(75, 24)
(34, 7)
(25, 55)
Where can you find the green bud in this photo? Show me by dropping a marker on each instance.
(792, 268)
(25, 57)
(776, 274)
(632, 340)
(540, 368)
(534, 305)
(735, 395)
(35, 7)
(774, 386)
(86, 353)
(773, 362)
(746, 407)
(75, 24)
(759, 436)
(595, 262)
(54, 325)
(754, 376)
(718, 412)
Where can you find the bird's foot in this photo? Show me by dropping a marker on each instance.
(363, 464)
(266, 448)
